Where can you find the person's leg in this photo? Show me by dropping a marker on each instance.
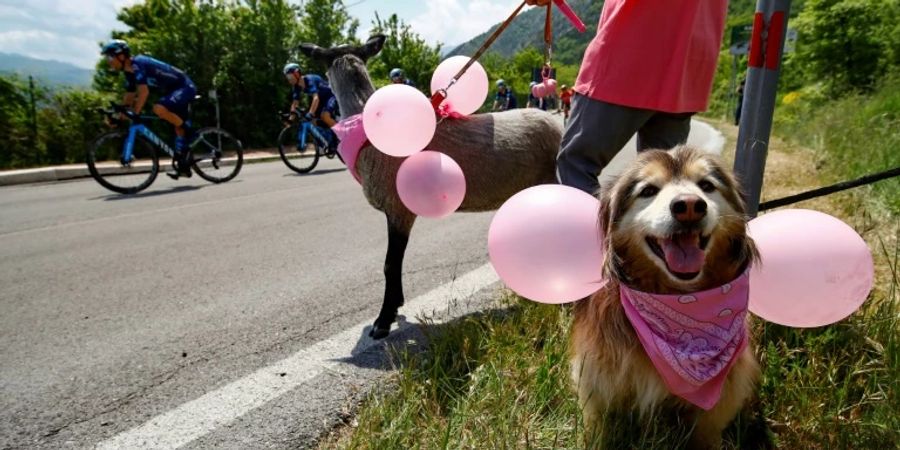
(595, 133)
(173, 108)
(163, 112)
(328, 118)
(664, 131)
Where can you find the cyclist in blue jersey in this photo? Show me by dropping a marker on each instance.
(175, 88)
(323, 106)
(505, 98)
(398, 77)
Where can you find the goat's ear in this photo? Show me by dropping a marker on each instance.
(311, 50)
(373, 46)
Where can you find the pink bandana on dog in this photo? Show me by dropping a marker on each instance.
(692, 339)
(352, 135)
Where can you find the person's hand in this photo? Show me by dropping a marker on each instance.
(309, 116)
(538, 2)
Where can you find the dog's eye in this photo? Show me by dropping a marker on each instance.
(706, 186)
(648, 191)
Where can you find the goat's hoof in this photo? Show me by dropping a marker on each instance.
(379, 332)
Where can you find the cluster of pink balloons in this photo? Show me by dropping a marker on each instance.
(544, 88)
(400, 121)
(815, 270)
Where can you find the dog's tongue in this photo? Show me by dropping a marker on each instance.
(683, 253)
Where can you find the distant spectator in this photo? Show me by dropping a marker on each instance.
(740, 101)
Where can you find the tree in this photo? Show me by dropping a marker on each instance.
(850, 44)
(404, 49)
(325, 23)
(13, 122)
(238, 48)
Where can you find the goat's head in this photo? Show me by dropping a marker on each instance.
(347, 71)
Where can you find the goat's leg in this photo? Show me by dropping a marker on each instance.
(398, 237)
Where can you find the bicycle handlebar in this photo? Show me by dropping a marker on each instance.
(120, 109)
(287, 115)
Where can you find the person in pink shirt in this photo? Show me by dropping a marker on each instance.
(647, 71)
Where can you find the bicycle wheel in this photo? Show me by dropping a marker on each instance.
(217, 155)
(297, 159)
(104, 161)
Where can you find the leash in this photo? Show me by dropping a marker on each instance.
(823, 191)
(441, 94)
(548, 36)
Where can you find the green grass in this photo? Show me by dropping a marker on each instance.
(501, 379)
(853, 136)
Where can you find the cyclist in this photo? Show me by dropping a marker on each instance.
(398, 77)
(565, 97)
(176, 91)
(505, 98)
(323, 105)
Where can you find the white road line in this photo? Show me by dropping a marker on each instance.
(201, 416)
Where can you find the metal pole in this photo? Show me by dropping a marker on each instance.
(732, 94)
(33, 113)
(763, 67)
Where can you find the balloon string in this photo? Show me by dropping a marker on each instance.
(441, 94)
(548, 35)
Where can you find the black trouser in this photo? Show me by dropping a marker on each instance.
(596, 131)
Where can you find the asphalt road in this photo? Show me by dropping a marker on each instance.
(115, 310)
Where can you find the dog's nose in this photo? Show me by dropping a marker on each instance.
(688, 208)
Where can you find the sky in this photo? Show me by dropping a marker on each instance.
(69, 30)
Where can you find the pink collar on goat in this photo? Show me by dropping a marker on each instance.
(352, 135)
(692, 339)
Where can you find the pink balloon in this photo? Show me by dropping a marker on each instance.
(469, 92)
(815, 270)
(431, 184)
(550, 85)
(545, 244)
(399, 120)
(539, 90)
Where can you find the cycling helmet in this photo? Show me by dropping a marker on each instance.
(501, 83)
(564, 87)
(396, 73)
(532, 84)
(291, 68)
(114, 47)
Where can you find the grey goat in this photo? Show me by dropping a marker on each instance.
(499, 153)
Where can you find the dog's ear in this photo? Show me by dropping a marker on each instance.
(731, 187)
(605, 227)
(372, 46)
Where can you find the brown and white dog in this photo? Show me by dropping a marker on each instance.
(674, 224)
